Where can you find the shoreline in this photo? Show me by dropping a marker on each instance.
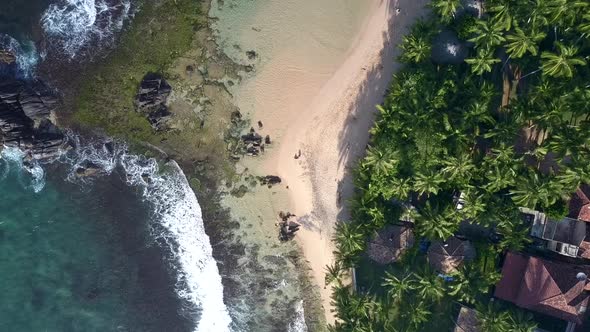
(332, 133)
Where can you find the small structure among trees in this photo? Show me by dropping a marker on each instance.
(467, 321)
(564, 237)
(447, 256)
(389, 244)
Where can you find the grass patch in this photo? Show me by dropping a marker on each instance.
(160, 33)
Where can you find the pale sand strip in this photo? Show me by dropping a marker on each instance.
(332, 131)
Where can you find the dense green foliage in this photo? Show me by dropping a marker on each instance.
(161, 32)
(507, 127)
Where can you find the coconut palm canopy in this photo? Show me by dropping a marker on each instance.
(387, 245)
(448, 256)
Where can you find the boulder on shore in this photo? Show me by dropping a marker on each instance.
(25, 112)
(151, 100)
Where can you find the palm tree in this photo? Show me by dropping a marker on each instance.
(398, 289)
(520, 42)
(483, 62)
(584, 27)
(469, 283)
(415, 49)
(459, 168)
(446, 9)
(430, 287)
(534, 189)
(539, 11)
(428, 183)
(493, 319)
(417, 314)
(521, 321)
(568, 141)
(477, 114)
(350, 241)
(380, 160)
(400, 188)
(334, 274)
(561, 64)
(564, 12)
(503, 13)
(434, 224)
(488, 35)
(474, 204)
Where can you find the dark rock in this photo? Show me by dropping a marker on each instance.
(251, 55)
(252, 138)
(151, 100)
(25, 111)
(6, 57)
(88, 169)
(288, 230)
(267, 139)
(270, 180)
(236, 116)
(260, 125)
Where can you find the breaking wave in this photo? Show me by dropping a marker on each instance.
(76, 23)
(25, 53)
(35, 180)
(177, 215)
(298, 325)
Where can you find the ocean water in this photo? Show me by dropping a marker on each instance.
(124, 251)
(80, 256)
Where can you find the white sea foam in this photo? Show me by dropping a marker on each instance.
(175, 207)
(75, 23)
(298, 325)
(15, 156)
(26, 55)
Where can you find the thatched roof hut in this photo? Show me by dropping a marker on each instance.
(387, 245)
(467, 321)
(448, 256)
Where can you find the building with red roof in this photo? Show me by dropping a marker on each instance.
(579, 206)
(552, 288)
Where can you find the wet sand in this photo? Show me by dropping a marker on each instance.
(315, 89)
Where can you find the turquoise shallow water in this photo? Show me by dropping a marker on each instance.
(79, 257)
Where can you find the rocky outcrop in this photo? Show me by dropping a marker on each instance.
(6, 57)
(25, 112)
(151, 100)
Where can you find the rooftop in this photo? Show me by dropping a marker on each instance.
(467, 321)
(387, 245)
(448, 256)
(548, 287)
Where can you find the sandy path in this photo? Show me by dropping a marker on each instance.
(330, 126)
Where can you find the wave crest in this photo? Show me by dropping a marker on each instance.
(180, 224)
(75, 23)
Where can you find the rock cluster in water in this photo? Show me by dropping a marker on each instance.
(6, 57)
(151, 100)
(25, 119)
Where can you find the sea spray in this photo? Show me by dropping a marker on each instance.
(25, 54)
(73, 24)
(36, 179)
(178, 215)
(298, 325)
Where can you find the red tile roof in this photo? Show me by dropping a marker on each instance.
(579, 206)
(544, 286)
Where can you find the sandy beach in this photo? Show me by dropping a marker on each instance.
(317, 94)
